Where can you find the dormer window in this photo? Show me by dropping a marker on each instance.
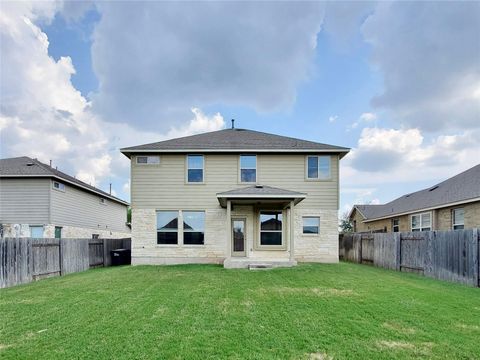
(58, 186)
(148, 160)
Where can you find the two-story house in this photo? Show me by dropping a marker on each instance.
(452, 204)
(39, 201)
(234, 196)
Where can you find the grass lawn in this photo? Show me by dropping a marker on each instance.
(314, 311)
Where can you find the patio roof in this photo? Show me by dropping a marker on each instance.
(260, 194)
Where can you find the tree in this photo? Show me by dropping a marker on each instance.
(346, 225)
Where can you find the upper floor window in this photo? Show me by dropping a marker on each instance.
(421, 222)
(195, 167)
(458, 219)
(148, 160)
(248, 168)
(58, 186)
(395, 225)
(318, 167)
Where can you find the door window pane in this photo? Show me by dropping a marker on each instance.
(238, 235)
(311, 225)
(193, 227)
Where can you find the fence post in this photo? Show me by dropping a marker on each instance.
(60, 256)
(398, 248)
(428, 260)
(476, 257)
(105, 255)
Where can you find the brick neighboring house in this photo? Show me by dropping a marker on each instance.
(39, 201)
(236, 197)
(450, 205)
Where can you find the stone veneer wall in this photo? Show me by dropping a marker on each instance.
(313, 248)
(67, 232)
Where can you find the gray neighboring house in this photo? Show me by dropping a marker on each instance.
(235, 197)
(39, 201)
(450, 205)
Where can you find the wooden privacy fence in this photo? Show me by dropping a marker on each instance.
(445, 255)
(26, 259)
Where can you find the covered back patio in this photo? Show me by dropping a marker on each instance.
(260, 226)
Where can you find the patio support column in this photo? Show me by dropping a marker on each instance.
(292, 231)
(229, 229)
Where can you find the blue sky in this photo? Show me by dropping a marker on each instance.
(399, 83)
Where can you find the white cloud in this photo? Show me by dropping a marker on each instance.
(403, 155)
(200, 54)
(367, 117)
(428, 53)
(42, 115)
(333, 118)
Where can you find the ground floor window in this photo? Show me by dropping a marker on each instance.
(395, 225)
(36, 232)
(271, 228)
(58, 232)
(193, 227)
(421, 222)
(167, 227)
(458, 219)
(311, 225)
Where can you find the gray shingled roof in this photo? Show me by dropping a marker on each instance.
(462, 187)
(235, 140)
(259, 192)
(27, 167)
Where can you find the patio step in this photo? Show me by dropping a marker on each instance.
(260, 266)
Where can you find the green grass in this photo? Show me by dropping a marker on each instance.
(343, 311)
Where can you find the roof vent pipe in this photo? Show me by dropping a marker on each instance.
(233, 123)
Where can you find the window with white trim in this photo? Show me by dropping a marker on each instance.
(248, 168)
(318, 167)
(421, 222)
(193, 227)
(271, 228)
(167, 227)
(311, 225)
(395, 225)
(148, 160)
(36, 232)
(195, 167)
(58, 186)
(458, 219)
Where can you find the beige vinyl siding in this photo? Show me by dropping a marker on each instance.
(24, 201)
(163, 186)
(76, 207)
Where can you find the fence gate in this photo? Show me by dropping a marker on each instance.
(367, 249)
(413, 248)
(95, 253)
(46, 258)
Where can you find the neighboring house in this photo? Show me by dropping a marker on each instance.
(234, 196)
(39, 201)
(450, 205)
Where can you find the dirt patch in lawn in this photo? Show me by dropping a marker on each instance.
(467, 327)
(318, 356)
(399, 328)
(420, 349)
(309, 291)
